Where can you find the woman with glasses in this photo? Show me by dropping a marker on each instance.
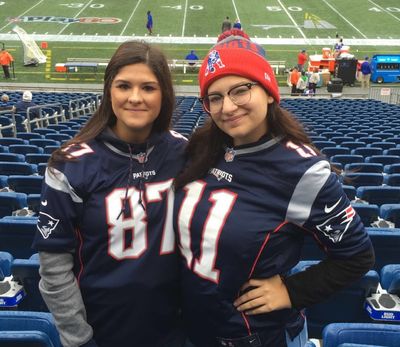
(108, 261)
(253, 188)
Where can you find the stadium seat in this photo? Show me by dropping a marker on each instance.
(347, 305)
(58, 137)
(364, 167)
(392, 179)
(350, 191)
(7, 141)
(391, 213)
(383, 159)
(390, 278)
(34, 158)
(25, 184)
(44, 131)
(367, 151)
(50, 149)
(392, 151)
(24, 149)
(368, 212)
(44, 142)
(386, 245)
(11, 201)
(28, 329)
(17, 168)
(331, 151)
(358, 179)
(33, 202)
(379, 195)
(12, 157)
(391, 168)
(28, 136)
(361, 334)
(6, 260)
(383, 144)
(16, 235)
(352, 145)
(347, 159)
(321, 144)
(26, 273)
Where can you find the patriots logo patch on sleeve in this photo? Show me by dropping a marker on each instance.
(46, 224)
(336, 226)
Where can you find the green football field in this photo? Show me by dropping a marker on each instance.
(93, 29)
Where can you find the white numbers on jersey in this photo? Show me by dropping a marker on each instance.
(222, 204)
(304, 151)
(136, 224)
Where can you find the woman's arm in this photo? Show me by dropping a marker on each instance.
(62, 296)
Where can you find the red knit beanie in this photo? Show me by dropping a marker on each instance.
(235, 54)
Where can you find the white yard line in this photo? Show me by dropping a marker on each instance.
(292, 19)
(384, 10)
(38, 3)
(344, 18)
(236, 11)
(83, 9)
(199, 40)
(184, 19)
(130, 17)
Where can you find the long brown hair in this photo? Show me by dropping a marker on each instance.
(128, 53)
(206, 145)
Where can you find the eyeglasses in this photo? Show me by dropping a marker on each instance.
(239, 95)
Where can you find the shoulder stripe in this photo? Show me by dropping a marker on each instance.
(303, 197)
(58, 181)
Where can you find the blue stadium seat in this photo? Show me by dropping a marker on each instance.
(391, 213)
(34, 158)
(6, 260)
(367, 151)
(379, 195)
(25, 184)
(350, 191)
(383, 144)
(391, 168)
(321, 144)
(12, 157)
(352, 144)
(16, 235)
(383, 159)
(58, 127)
(44, 131)
(392, 151)
(347, 159)
(347, 305)
(17, 168)
(361, 334)
(368, 212)
(392, 179)
(28, 136)
(11, 201)
(390, 278)
(26, 273)
(33, 202)
(24, 149)
(7, 141)
(44, 142)
(358, 179)
(28, 329)
(331, 151)
(364, 167)
(50, 149)
(58, 137)
(386, 245)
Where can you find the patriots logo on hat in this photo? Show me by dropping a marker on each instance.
(213, 59)
(336, 226)
(46, 224)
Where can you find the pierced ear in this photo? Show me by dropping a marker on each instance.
(270, 99)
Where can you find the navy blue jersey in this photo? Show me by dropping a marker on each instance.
(114, 209)
(247, 219)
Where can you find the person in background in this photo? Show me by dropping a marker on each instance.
(226, 25)
(313, 80)
(6, 59)
(365, 73)
(26, 102)
(5, 103)
(294, 78)
(149, 23)
(253, 188)
(302, 58)
(108, 260)
(192, 58)
(237, 24)
(302, 83)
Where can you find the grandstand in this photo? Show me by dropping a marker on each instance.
(358, 130)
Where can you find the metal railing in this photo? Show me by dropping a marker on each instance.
(390, 95)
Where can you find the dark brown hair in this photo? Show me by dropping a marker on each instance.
(128, 53)
(207, 144)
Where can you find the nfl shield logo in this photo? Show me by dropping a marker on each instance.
(229, 155)
(141, 157)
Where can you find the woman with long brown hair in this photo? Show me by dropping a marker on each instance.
(108, 261)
